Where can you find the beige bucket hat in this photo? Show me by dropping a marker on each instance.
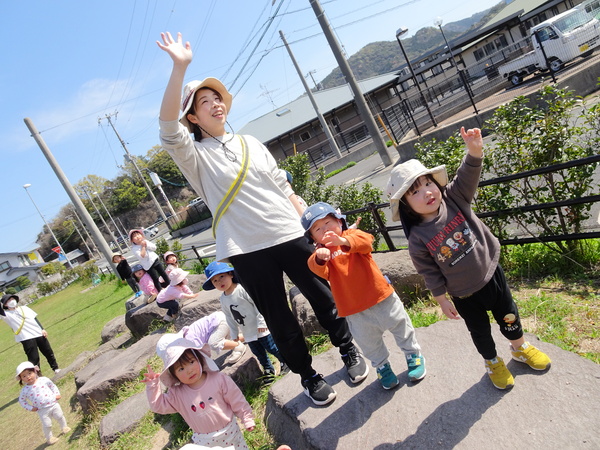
(404, 175)
(170, 347)
(188, 96)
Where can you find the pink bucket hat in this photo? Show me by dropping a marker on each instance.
(404, 175)
(190, 89)
(170, 347)
(177, 276)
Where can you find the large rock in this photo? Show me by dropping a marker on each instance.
(454, 406)
(94, 365)
(125, 365)
(304, 313)
(246, 370)
(125, 417)
(398, 267)
(139, 319)
(114, 344)
(113, 328)
(81, 360)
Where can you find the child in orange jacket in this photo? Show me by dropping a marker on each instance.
(361, 293)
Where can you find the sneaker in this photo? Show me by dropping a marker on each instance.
(151, 298)
(283, 369)
(237, 353)
(56, 370)
(65, 430)
(138, 294)
(416, 367)
(499, 374)
(268, 377)
(531, 356)
(387, 377)
(355, 365)
(317, 389)
(52, 440)
(168, 318)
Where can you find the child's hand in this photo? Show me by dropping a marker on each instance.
(323, 254)
(447, 307)
(330, 239)
(250, 429)
(473, 140)
(150, 375)
(178, 52)
(58, 397)
(34, 409)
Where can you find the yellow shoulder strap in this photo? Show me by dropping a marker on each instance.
(22, 321)
(233, 189)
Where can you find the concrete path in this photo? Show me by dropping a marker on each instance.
(455, 406)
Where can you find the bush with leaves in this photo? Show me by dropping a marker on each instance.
(346, 197)
(23, 281)
(525, 137)
(162, 246)
(52, 268)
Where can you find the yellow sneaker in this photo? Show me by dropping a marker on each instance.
(52, 440)
(65, 430)
(531, 356)
(499, 374)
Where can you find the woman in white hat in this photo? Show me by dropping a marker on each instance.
(208, 400)
(256, 215)
(177, 290)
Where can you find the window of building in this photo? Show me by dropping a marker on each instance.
(305, 136)
(500, 42)
(4, 266)
(489, 48)
(479, 54)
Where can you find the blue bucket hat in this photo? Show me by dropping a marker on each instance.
(319, 211)
(215, 268)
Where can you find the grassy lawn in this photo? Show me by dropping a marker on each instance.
(74, 320)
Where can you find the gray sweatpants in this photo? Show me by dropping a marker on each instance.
(368, 327)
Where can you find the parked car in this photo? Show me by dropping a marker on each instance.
(151, 231)
(197, 201)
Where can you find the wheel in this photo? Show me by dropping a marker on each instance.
(516, 79)
(556, 64)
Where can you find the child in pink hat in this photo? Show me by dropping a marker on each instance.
(177, 290)
(208, 400)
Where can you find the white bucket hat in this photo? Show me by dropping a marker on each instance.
(24, 366)
(188, 96)
(404, 175)
(177, 275)
(170, 347)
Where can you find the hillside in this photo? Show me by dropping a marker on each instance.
(382, 57)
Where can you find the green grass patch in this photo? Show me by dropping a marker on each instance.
(341, 169)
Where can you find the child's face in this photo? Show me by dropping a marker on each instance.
(222, 281)
(139, 273)
(425, 198)
(117, 259)
(325, 225)
(137, 238)
(188, 369)
(209, 109)
(28, 376)
(171, 259)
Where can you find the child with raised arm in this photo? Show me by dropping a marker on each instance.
(458, 255)
(39, 394)
(126, 273)
(362, 294)
(145, 251)
(208, 400)
(241, 314)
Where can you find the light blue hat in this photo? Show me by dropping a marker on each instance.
(318, 211)
(215, 268)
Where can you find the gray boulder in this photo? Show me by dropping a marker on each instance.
(125, 365)
(113, 328)
(398, 267)
(139, 319)
(304, 313)
(114, 344)
(125, 417)
(81, 360)
(93, 366)
(206, 303)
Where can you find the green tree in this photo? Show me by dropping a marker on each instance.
(23, 281)
(125, 196)
(163, 165)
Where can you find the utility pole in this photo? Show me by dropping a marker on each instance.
(324, 125)
(114, 224)
(101, 217)
(158, 183)
(162, 213)
(359, 98)
(77, 203)
(80, 236)
(310, 74)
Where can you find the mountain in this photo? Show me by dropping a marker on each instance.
(382, 57)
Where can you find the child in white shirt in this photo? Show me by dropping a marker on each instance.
(40, 394)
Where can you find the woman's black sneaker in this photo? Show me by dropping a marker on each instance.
(355, 365)
(317, 389)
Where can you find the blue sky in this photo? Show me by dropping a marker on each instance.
(65, 64)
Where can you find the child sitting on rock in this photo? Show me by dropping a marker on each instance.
(241, 314)
(177, 290)
(145, 282)
(208, 400)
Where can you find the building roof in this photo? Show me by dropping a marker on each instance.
(300, 111)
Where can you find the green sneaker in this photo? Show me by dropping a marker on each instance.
(531, 356)
(499, 374)
(416, 367)
(387, 377)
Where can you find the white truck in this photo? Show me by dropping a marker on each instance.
(563, 37)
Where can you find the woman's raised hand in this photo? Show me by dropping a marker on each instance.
(179, 52)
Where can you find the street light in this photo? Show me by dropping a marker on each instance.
(400, 32)
(438, 23)
(25, 186)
